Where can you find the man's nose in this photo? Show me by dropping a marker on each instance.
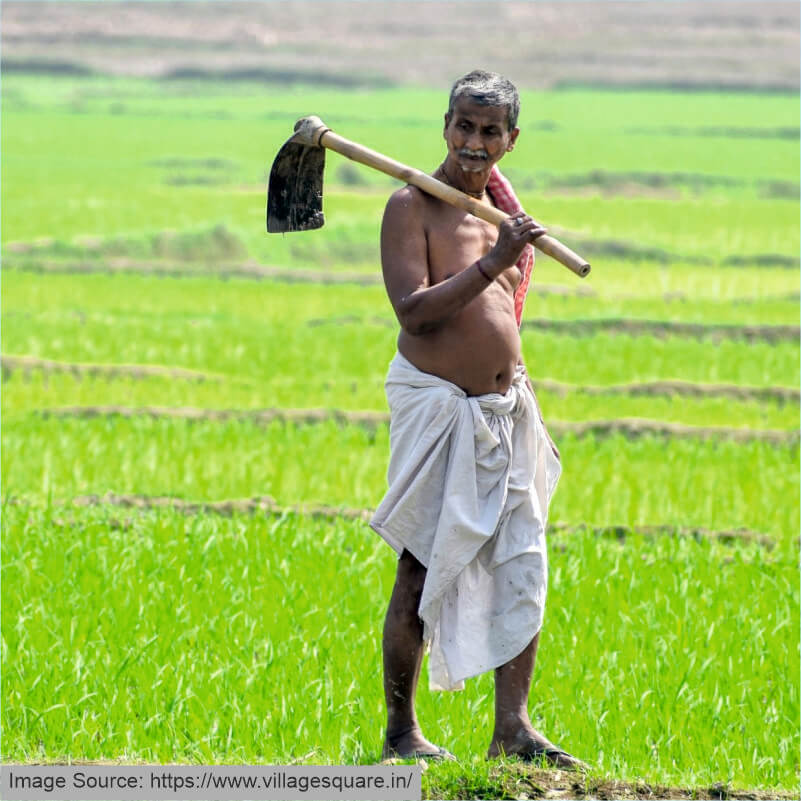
(474, 141)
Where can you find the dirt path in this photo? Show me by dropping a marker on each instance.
(35, 263)
(27, 364)
(670, 388)
(264, 504)
(515, 780)
(625, 326)
(522, 782)
(176, 269)
(248, 270)
(661, 328)
(631, 428)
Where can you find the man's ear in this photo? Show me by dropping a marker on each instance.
(447, 122)
(513, 134)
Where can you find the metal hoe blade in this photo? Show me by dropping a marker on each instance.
(295, 193)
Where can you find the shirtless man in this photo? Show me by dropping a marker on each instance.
(451, 279)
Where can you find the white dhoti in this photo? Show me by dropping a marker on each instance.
(470, 480)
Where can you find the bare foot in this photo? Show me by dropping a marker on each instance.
(411, 744)
(530, 746)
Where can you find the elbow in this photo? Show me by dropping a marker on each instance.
(418, 316)
(415, 325)
(420, 330)
(412, 318)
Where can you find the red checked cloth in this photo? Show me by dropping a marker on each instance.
(506, 200)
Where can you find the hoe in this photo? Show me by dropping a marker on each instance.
(295, 194)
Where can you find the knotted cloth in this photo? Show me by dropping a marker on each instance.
(506, 200)
(470, 480)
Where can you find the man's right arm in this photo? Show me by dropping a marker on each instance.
(420, 307)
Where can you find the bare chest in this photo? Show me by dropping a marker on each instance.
(456, 240)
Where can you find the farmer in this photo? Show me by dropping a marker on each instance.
(472, 469)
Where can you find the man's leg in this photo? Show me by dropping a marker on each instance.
(403, 656)
(514, 735)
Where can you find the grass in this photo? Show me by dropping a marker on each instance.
(42, 390)
(157, 636)
(649, 480)
(736, 296)
(262, 351)
(51, 119)
(261, 333)
(648, 658)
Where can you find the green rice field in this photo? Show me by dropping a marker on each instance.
(148, 319)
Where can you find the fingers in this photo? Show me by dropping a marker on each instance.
(514, 234)
(524, 227)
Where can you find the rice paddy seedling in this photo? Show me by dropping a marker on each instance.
(267, 336)
(608, 481)
(747, 296)
(26, 390)
(133, 156)
(187, 635)
(203, 638)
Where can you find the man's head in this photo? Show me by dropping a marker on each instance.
(487, 89)
(481, 123)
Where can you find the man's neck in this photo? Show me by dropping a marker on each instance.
(471, 183)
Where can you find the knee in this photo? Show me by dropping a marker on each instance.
(411, 572)
(409, 583)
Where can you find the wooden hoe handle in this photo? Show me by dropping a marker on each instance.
(312, 131)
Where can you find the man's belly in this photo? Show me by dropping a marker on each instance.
(478, 350)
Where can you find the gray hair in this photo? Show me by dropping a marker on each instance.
(487, 89)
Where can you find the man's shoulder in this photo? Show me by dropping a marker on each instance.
(408, 200)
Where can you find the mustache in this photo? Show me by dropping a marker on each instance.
(481, 154)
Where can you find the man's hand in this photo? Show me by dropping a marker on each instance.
(514, 234)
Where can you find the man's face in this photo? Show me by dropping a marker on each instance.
(478, 136)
